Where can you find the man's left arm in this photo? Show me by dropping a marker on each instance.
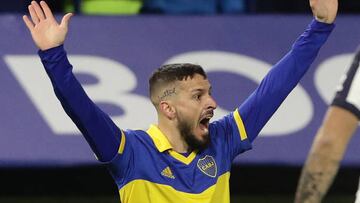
(286, 74)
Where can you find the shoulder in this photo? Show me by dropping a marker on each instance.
(136, 135)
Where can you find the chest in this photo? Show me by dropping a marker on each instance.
(196, 171)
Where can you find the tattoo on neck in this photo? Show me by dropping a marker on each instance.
(167, 93)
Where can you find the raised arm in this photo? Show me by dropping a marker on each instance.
(286, 74)
(96, 126)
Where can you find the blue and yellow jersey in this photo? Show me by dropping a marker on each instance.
(147, 169)
(143, 163)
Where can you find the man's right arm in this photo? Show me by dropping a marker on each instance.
(98, 129)
(96, 126)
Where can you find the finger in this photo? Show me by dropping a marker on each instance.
(38, 10)
(46, 9)
(65, 20)
(28, 23)
(33, 15)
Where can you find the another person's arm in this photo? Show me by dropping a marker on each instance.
(339, 125)
(325, 155)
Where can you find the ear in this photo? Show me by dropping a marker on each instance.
(167, 109)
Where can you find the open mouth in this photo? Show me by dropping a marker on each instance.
(205, 120)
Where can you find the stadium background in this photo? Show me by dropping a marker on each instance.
(266, 179)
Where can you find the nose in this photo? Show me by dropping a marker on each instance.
(211, 103)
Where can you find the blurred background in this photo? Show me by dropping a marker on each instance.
(43, 158)
(182, 7)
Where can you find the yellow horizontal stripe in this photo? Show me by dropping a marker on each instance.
(149, 192)
(240, 125)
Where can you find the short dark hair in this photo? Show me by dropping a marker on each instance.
(173, 72)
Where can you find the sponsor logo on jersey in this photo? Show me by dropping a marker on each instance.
(167, 173)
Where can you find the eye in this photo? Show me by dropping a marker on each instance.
(197, 96)
(210, 91)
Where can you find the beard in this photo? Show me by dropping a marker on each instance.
(190, 139)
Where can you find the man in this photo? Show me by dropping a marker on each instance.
(339, 125)
(184, 157)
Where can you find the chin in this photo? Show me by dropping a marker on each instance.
(199, 142)
(196, 139)
(204, 138)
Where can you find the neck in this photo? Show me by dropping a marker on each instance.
(174, 137)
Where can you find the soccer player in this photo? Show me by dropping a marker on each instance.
(339, 125)
(184, 157)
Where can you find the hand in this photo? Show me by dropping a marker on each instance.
(45, 30)
(324, 10)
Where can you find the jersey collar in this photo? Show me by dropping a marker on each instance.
(163, 144)
(159, 139)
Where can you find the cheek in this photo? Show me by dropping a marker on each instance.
(188, 118)
(185, 115)
(189, 110)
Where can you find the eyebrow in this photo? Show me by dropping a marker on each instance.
(201, 90)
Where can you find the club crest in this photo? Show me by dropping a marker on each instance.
(208, 166)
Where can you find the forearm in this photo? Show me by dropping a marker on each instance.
(325, 155)
(283, 78)
(287, 73)
(318, 173)
(96, 126)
